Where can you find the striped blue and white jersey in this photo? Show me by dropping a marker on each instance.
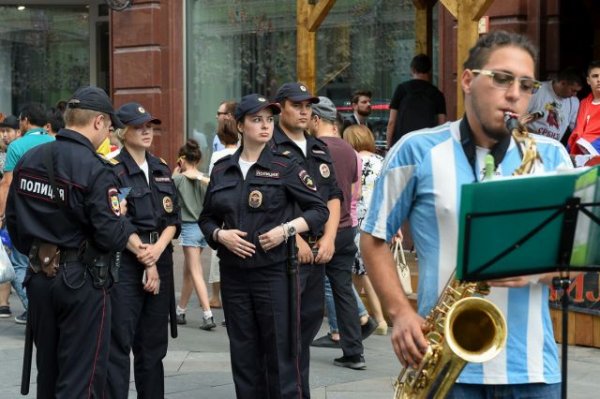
(420, 181)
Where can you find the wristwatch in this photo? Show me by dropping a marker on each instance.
(291, 230)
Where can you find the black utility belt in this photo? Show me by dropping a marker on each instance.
(310, 239)
(149, 237)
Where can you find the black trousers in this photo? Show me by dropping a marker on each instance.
(256, 305)
(139, 323)
(70, 320)
(339, 272)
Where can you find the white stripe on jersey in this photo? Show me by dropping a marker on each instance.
(494, 371)
(535, 332)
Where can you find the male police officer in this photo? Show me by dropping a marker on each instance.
(290, 138)
(64, 212)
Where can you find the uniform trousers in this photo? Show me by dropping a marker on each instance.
(70, 320)
(139, 323)
(339, 272)
(257, 309)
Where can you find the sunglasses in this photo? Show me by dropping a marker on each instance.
(504, 80)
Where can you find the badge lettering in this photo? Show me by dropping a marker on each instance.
(320, 152)
(162, 179)
(40, 188)
(267, 173)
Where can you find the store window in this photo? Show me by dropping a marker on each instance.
(44, 54)
(236, 47)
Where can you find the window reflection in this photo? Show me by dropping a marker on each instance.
(44, 54)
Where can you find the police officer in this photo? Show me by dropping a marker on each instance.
(64, 212)
(143, 295)
(248, 216)
(314, 250)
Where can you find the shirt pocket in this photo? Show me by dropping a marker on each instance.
(225, 196)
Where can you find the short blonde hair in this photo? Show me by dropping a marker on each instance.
(120, 134)
(81, 117)
(360, 138)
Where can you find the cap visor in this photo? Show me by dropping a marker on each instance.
(312, 99)
(273, 106)
(117, 124)
(143, 119)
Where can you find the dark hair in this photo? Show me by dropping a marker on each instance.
(570, 75)
(229, 106)
(360, 93)
(35, 114)
(191, 151)
(480, 53)
(227, 132)
(61, 105)
(593, 64)
(55, 119)
(421, 63)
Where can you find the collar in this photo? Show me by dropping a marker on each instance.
(498, 151)
(132, 166)
(264, 160)
(72, 135)
(36, 130)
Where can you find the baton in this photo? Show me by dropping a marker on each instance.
(172, 310)
(27, 355)
(292, 269)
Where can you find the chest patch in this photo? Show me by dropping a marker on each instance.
(168, 204)
(324, 170)
(267, 173)
(255, 199)
(307, 180)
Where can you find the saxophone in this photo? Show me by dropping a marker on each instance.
(463, 326)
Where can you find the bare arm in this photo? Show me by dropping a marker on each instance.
(390, 126)
(4, 186)
(326, 244)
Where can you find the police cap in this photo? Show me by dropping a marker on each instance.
(294, 91)
(134, 114)
(10, 121)
(252, 103)
(95, 99)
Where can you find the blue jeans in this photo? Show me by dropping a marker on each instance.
(331, 316)
(20, 263)
(515, 391)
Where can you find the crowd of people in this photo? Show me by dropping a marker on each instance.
(298, 208)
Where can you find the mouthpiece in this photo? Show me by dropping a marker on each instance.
(511, 121)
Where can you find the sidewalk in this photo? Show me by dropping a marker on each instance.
(197, 364)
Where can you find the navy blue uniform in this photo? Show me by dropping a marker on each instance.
(70, 318)
(255, 289)
(140, 318)
(319, 164)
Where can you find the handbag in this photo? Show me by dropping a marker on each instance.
(402, 267)
(7, 272)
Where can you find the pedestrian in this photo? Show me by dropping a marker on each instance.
(292, 138)
(191, 188)
(361, 139)
(228, 135)
(142, 298)
(248, 216)
(421, 180)
(63, 206)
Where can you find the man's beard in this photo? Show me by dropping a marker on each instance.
(366, 112)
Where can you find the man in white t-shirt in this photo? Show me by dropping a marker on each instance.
(555, 105)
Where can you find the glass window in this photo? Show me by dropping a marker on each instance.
(44, 54)
(236, 47)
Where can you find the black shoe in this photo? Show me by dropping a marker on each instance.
(22, 319)
(181, 319)
(368, 328)
(208, 324)
(5, 311)
(355, 362)
(326, 342)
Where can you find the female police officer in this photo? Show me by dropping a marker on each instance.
(247, 217)
(143, 295)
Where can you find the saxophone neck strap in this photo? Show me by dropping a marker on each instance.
(467, 141)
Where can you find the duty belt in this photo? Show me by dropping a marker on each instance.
(310, 239)
(149, 237)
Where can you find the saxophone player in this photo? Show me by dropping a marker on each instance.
(420, 182)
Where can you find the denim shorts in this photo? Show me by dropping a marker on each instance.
(191, 235)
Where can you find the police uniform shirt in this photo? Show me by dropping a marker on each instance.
(86, 184)
(317, 162)
(265, 199)
(151, 205)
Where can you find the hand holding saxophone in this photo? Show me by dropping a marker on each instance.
(408, 337)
